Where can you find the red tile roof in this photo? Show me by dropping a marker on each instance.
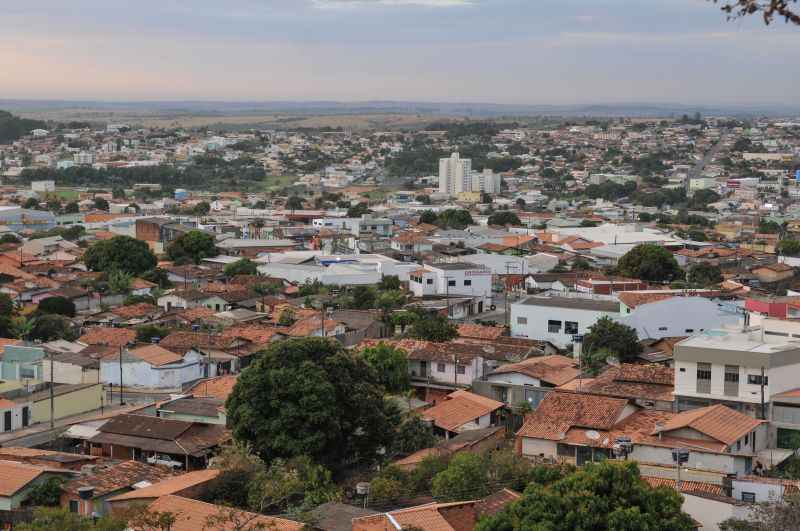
(556, 370)
(559, 411)
(194, 515)
(113, 337)
(718, 422)
(459, 408)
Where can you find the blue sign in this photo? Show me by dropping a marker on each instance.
(797, 175)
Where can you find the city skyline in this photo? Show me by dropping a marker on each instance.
(572, 52)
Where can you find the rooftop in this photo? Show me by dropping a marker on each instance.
(574, 303)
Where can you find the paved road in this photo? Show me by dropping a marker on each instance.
(697, 169)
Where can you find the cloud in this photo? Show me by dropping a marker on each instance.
(332, 4)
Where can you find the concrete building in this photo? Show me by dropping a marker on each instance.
(457, 279)
(558, 319)
(455, 175)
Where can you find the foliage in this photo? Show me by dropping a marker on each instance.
(464, 478)
(201, 209)
(701, 198)
(120, 253)
(428, 216)
(13, 127)
(192, 247)
(146, 333)
(9, 238)
(358, 210)
(390, 364)
(389, 282)
(769, 9)
(46, 493)
(454, 219)
(311, 397)
(650, 262)
(158, 276)
(296, 482)
(607, 495)
(294, 203)
(610, 190)
(413, 435)
(705, 274)
(287, 317)
(119, 281)
(51, 327)
(437, 328)
(620, 339)
(766, 226)
(238, 467)
(57, 305)
(101, 204)
(789, 247)
(386, 490)
(50, 518)
(770, 516)
(503, 218)
(245, 266)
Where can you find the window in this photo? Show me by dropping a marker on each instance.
(755, 379)
(440, 367)
(451, 282)
(468, 282)
(461, 369)
(501, 394)
(690, 330)
(749, 497)
(553, 327)
(683, 369)
(7, 421)
(662, 328)
(430, 281)
(74, 506)
(570, 327)
(703, 377)
(522, 320)
(731, 380)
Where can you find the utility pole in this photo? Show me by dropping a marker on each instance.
(52, 394)
(121, 403)
(447, 293)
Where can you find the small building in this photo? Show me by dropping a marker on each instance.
(558, 319)
(462, 411)
(152, 366)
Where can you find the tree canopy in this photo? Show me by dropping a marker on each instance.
(437, 328)
(390, 364)
(120, 253)
(192, 247)
(616, 338)
(57, 305)
(504, 217)
(606, 496)
(705, 274)
(245, 266)
(311, 397)
(650, 262)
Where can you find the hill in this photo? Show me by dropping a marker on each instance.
(13, 127)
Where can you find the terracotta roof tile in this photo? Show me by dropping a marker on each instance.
(108, 479)
(219, 387)
(155, 355)
(718, 422)
(459, 408)
(559, 411)
(556, 370)
(193, 515)
(15, 476)
(114, 337)
(170, 485)
(479, 331)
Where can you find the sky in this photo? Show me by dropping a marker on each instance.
(492, 51)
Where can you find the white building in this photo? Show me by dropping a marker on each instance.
(486, 181)
(455, 175)
(152, 367)
(677, 316)
(456, 279)
(725, 366)
(43, 186)
(558, 319)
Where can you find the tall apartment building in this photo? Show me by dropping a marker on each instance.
(455, 175)
(486, 181)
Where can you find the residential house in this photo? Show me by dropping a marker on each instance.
(89, 493)
(154, 440)
(182, 298)
(649, 386)
(151, 366)
(478, 441)
(106, 336)
(454, 279)
(193, 409)
(189, 485)
(462, 411)
(194, 515)
(19, 479)
(771, 273)
(527, 381)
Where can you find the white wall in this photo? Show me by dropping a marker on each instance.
(538, 317)
(678, 316)
(536, 447)
(514, 378)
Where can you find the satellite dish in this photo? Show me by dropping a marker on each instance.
(593, 435)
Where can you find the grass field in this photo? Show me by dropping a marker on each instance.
(275, 182)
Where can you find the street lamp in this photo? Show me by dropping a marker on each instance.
(623, 446)
(680, 456)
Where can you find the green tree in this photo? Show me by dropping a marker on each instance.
(287, 317)
(192, 247)
(245, 266)
(789, 247)
(72, 208)
(610, 496)
(503, 218)
(57, 305)
(766, 226)
(51, 518)
(705, 274)
(238, 467)
(298, 483)
(390, 364)
(413, 435)
(358, 210)
(776, 515)
(7, 309)
(101, 204)
(651, 263)
(158, 276)
(311, 397)
(294, 203)
(386, 490)
(118, 193)
(454, 219)
(620, 339)
(47, 493)
(120, 253)
(119, 282)
(363, 297)
(9, 238)
(146, 333)
(437, 328)
(428, 216)
(466, 478)
(389, 283)
(51, 327)
(201, 209)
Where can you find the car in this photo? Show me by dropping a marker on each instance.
(164, 460)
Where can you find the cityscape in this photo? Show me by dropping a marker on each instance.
(353, 296)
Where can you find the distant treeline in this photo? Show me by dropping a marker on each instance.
(13, 127)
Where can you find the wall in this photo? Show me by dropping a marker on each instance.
(536, 447)
(67, 373)
(724, 463)
(709, 512)
(538, 317)
(678, 316)
(81, 400)
(136, 373)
